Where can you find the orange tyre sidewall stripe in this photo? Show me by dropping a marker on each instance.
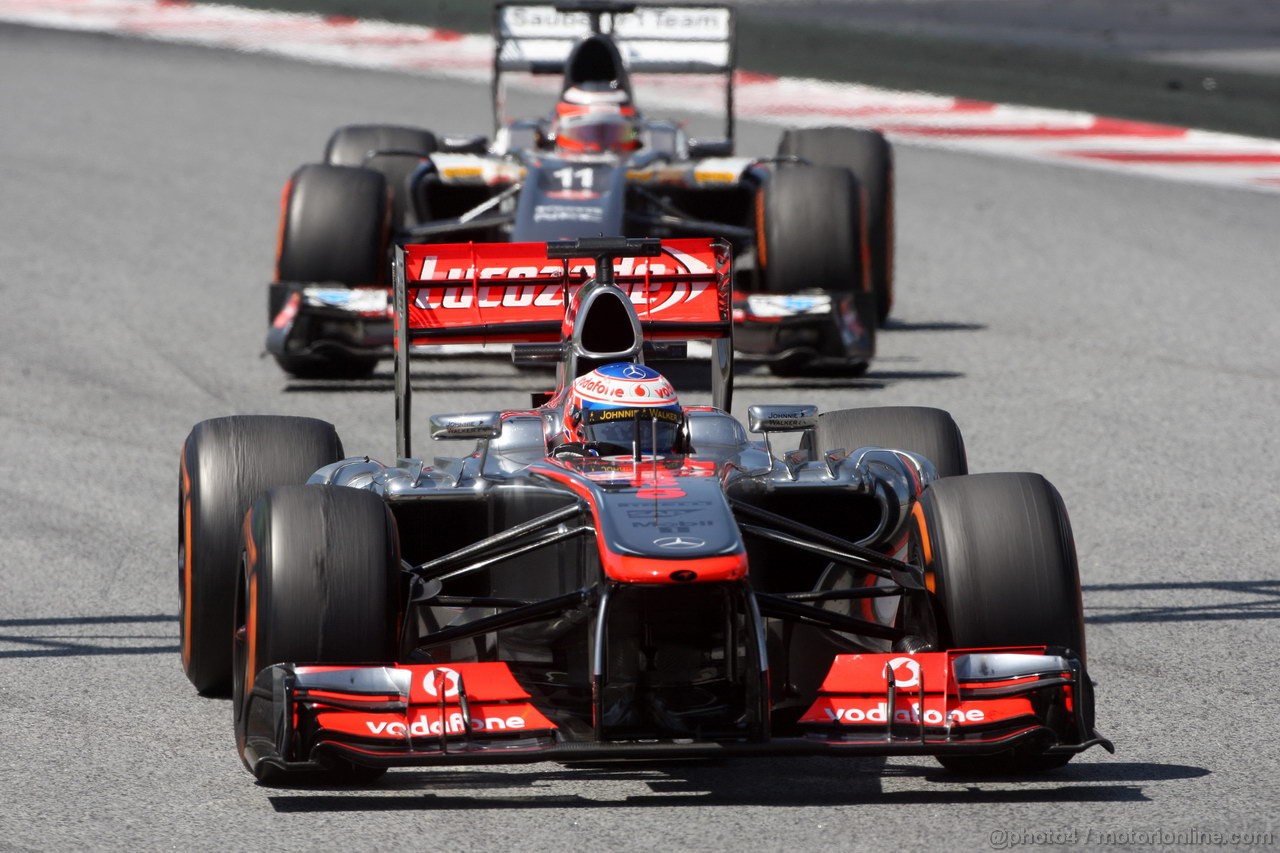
(868, 608)
(284, 215)
(187, 574)
(926, 547)
(251, 635)
(251, 604)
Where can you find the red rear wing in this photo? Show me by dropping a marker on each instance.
(501, 293)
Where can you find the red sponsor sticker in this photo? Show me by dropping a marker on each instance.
(484, 682)
(868, 673)
(856, 693)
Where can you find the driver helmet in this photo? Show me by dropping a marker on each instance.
(626, 405)
(594, 119)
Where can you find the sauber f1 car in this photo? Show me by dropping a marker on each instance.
(811, 225)
(611, 574)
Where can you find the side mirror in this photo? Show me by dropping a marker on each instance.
(472, 426)
(464, 144)
(710, 148)
(781, 418)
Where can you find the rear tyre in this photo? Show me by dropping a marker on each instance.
(406, 146)
(226, 462)
(932, 433)
(1002, 557)
(336, 231)
(868, 155)
(321, 566)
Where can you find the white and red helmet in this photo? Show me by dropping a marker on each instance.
(595, 121)
(627, 407)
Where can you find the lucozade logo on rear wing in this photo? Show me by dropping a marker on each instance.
(464, 285)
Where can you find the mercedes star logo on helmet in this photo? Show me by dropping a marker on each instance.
(633, 371)
(679, 543)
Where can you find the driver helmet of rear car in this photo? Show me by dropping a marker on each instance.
(623, 408)
(595, 118)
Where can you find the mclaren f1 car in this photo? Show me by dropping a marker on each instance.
(607, 573)
(811, 224)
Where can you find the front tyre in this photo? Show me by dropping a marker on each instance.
(811, 236)
(335, 231)
(998, 551)
(225, 463)
(335, 227)
(319, 585)
(868, 155)
(810, 225)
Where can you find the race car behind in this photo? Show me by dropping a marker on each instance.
(811, 223)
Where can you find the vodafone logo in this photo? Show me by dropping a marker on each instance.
(438, 677)
(906, 672)
(879, 713)
(453, 724)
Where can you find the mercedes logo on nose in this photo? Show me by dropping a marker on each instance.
(679, 543)
(632, 371)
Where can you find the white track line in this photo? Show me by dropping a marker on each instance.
(1071, 138)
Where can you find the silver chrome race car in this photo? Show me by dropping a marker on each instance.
(611, 574)
(811, 223)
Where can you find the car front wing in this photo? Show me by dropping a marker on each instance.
(959, 702)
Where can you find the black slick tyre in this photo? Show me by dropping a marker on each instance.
(810, 236)
(225, 464)
(932, 433)
(998, 552)
(319, 585)
(335, 226)
(335, 231)
(869, 156)
(393, 150)
(808, 220)
(329, 366)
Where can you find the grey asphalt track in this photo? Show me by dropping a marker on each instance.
(1114, 333)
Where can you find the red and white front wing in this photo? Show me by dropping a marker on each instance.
(975, 701)
(947, 697)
